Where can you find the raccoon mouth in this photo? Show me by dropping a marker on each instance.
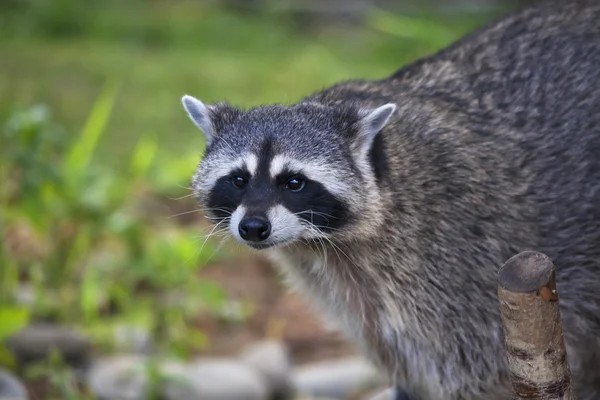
(263, 246)
(260, 246)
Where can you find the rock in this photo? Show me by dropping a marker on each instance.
(387, 394)
(132, 338)
(25, 295)
(36, 342)
(126, 377)
(218, 379)
(271, 359)
(119, 377)
(338, 379)
(11, 388)
(304, 397)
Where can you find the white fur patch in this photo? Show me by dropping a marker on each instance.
(213, 171)
(315, 170)
(278, 164)
(234, 223)
(251, 162)
(285, 226)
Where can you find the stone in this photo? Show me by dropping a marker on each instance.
(25, 295)
(272, 360)
(125, 377)
(119, 377)
(218, 379)
(36, 342)
(387, 394)
(11, 388)
(340, 379)
(132, 338)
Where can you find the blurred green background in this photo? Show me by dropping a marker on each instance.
(97, 228)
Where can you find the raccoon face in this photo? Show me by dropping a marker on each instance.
(276, 175)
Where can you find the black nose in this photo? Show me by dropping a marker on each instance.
(254, 229)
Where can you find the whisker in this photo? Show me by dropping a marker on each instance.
(335, 247)
(185, 213)
(319, 239)
(317, 213)
(211, 233)
(202, 209)
(328, 228)
(217, 248)
(180, 198)
(221, 232)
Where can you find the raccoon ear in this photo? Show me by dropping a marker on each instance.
(371, 122)
(201, 115)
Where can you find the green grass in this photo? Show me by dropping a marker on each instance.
(94, 145)
(205, 52)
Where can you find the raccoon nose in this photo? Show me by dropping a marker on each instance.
(254, 229)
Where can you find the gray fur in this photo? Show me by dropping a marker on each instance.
(493, 149)
(371, 124)
(200, 114)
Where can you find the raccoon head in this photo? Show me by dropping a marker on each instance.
(277, 174)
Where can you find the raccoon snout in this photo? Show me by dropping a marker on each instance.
(254, 229)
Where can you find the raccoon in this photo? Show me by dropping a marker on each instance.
(392, 203)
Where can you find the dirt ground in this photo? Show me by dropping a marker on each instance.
(278, 313)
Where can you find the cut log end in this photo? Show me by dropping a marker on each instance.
(526, 272)
(533, 338)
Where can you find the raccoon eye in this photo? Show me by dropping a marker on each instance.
(295, 184)
(238, 182)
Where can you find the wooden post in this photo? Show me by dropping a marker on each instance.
(533, 335)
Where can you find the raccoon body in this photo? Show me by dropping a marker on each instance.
(392, 203)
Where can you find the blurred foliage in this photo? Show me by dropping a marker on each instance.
(78, 234)
(163, 49)
(95, 147)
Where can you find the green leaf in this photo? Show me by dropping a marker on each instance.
(12, 320)
(198, 340)
(211, 293)
(27, 121)
(81, 152)
(7, 359)
(91, 293)
(143, 156)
